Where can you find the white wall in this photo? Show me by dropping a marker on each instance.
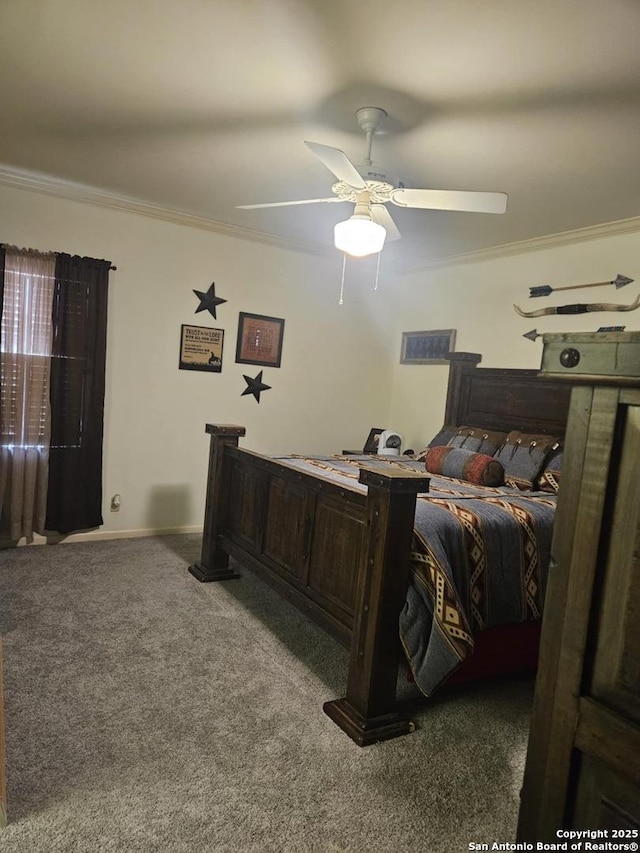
(340, 372)
(477, 300)
(333, 385)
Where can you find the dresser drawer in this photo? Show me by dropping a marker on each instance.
(591, 354)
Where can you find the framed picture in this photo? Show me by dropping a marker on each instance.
(427, 347)
(201, 348)
(371, 444)
(259, 340)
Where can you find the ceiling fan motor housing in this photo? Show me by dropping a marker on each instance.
(379, 185)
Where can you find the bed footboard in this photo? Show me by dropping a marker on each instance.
(214, 562)
(339, 555)
(368, 711)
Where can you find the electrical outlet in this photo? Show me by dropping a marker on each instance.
(115, 503)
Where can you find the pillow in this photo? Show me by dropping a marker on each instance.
(443, 436)
(477, 439)
(523, 456)
(549, 480)
(463, 464)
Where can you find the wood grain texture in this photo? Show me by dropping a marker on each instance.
(214, 561)
(548, 727)
(580, 771)
(368, 712)
(567, 611)
(610, 738)
(505, 399)
(605, 800)
(616, 673)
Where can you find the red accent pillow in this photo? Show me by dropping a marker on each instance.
(478, 468)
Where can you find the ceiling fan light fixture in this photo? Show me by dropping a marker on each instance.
(359, 236)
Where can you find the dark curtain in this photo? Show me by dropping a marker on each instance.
(2, 255)
(74, 495)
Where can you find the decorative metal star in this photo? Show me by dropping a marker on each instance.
(255, 386)
(208, 301)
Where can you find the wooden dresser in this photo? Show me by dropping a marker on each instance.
(583, 761)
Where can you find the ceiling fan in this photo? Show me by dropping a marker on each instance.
(371, 188)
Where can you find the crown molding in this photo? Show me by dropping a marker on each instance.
(548, 241)
(59, 188)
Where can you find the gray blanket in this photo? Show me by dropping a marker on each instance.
(480, 557)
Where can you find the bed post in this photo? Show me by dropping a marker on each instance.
(459, 364)
(214, 562)
(368, 713)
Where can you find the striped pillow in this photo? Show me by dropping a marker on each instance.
(478, 468)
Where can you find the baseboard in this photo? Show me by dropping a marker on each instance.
(101, 535)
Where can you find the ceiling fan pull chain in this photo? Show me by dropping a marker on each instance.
(375, 286)
(344, 266)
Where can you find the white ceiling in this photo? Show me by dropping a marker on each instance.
(202, 105)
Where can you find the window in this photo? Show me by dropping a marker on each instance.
(25, 344)
(52, 376)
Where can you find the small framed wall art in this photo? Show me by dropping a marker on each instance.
(201, 348)
(371, 444)
(427, 347)
(259, 340)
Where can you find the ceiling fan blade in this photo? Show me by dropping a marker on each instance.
(288, 203)
(381, 216)
(337, 162)
(473, 202)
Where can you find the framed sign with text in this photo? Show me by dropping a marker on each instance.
(259, 340)
(201, 348)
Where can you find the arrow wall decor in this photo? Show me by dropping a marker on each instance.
(534, 333)
(579, 308)
(546, 289)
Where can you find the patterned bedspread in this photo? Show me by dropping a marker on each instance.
(480, 557)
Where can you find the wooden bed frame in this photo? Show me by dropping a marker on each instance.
(342, 556)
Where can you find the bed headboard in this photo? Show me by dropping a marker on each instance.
(504, 398)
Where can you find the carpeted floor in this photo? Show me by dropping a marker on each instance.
(148, 712)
